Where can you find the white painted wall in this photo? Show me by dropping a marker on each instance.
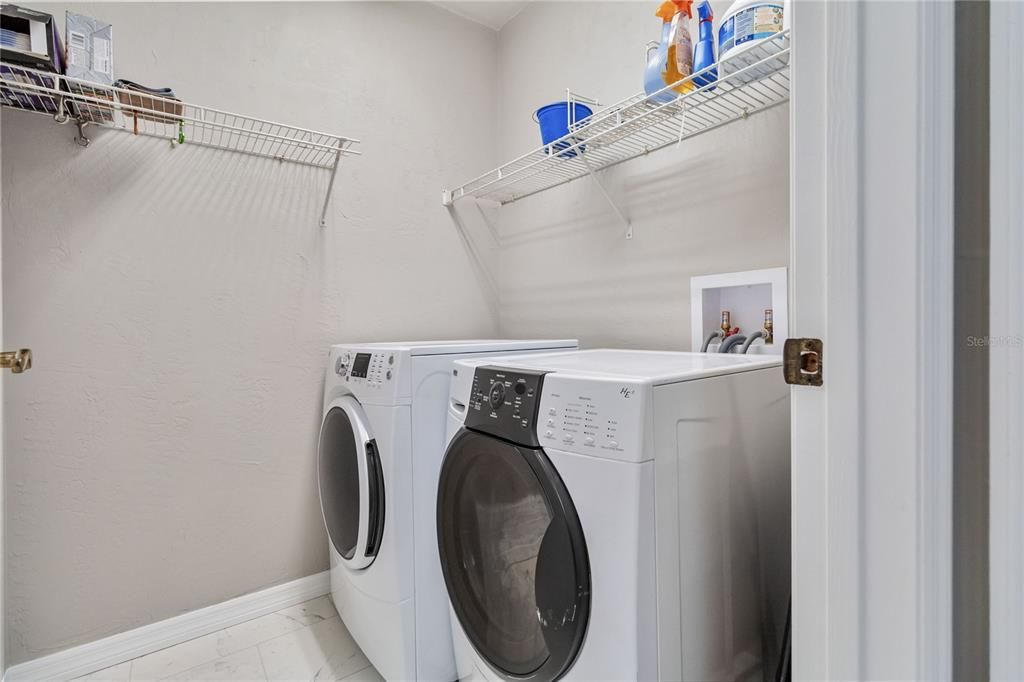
(720, 203)
(160, 455)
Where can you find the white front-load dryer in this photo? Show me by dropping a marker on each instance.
(380, 450)
(616, 515)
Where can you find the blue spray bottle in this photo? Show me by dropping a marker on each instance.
(704, 50)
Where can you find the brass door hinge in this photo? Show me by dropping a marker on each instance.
(802, 362)
(16, 360)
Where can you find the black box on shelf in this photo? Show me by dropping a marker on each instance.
(30, 38)
(13, 95)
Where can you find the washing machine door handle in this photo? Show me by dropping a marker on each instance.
(556, 590)
(370, 486)
(562, 581)
(374, 500)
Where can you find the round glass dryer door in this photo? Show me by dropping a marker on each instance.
(513, 556)
(351, 483)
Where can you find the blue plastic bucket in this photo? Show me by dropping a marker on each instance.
(554, 123)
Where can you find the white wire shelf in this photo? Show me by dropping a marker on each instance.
(89, 104)
(751, 80)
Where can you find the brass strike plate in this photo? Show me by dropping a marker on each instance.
(802, 362)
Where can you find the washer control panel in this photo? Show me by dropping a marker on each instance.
(503, 402)
(596, 417)
(366, 369)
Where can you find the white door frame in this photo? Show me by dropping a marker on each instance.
(1006, 378)
(872, 276)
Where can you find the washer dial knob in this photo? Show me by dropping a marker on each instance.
(496, 394)
(341, 364)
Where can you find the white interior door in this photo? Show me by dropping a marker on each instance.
(872, 266)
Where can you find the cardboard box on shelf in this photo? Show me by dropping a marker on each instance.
(159, 105)
(90, 49)
(90, 57)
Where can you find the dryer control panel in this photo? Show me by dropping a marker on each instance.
(368, 369)
(503, 402)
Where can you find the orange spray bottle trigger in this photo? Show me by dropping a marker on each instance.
(666, 11)
(670, 8)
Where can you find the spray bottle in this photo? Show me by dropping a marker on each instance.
(673, 60)
(704, 51)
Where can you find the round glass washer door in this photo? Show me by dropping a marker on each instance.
(513, 556)
(351, 483)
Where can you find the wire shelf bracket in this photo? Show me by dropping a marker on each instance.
(752, 79)
(140, 113)
(608, 197)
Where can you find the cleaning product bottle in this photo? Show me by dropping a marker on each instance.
(748, 21)
(657, 52)
(679, 57)
(704, 51)
(673, 59)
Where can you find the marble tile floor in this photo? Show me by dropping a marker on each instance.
(303, 642)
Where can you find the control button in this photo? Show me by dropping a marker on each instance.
(548, 434)
(496, 394)
(552, 412)
(567, 438)
(551, 422)
(389, 374)
(391, 359)
(589, 440)
(613, 444)
(521, 387)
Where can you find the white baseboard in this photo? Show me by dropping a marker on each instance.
(103, 653)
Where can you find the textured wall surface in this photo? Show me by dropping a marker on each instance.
(718, 203)
(161, 454)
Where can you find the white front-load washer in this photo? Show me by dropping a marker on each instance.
(617, 515)
(380, 450)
